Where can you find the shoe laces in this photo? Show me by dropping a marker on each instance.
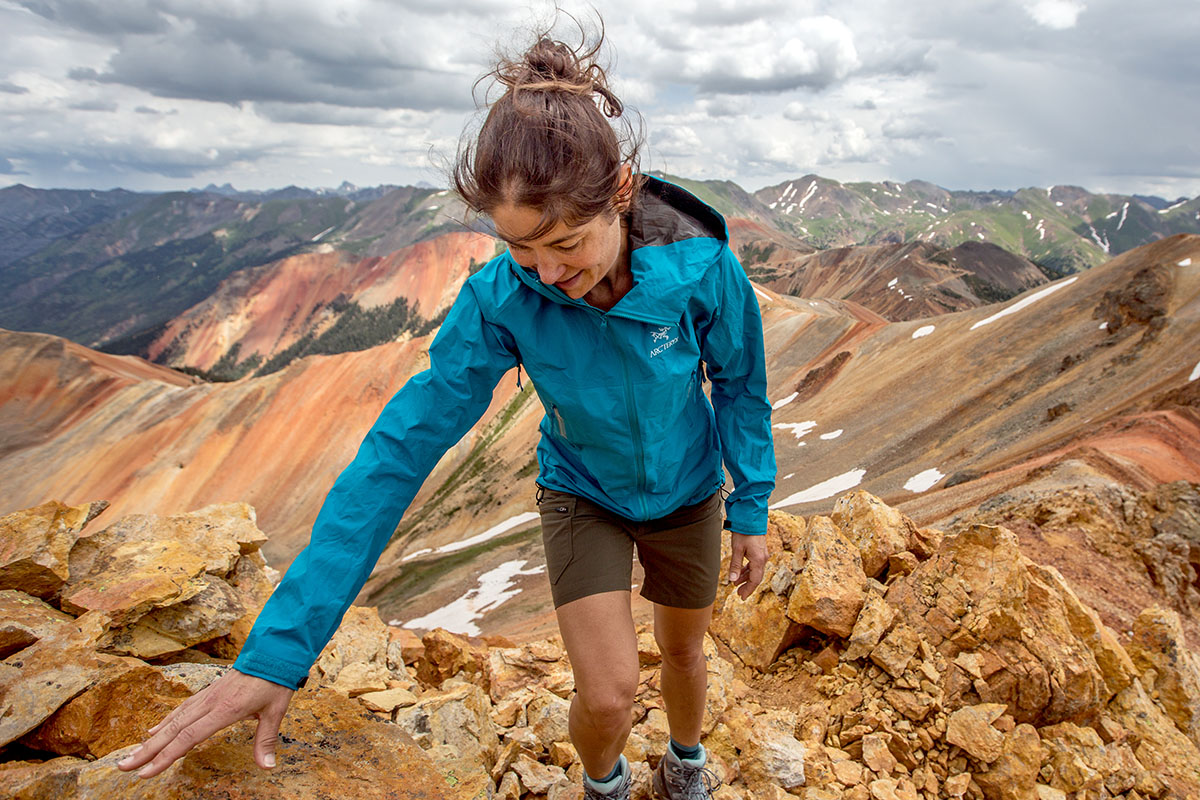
(692, 783)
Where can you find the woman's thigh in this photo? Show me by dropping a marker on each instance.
(601, 642)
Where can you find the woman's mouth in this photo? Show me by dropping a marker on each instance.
(566, 284)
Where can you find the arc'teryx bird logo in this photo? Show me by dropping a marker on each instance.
(658, 336)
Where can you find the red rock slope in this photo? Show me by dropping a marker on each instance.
(268, 308)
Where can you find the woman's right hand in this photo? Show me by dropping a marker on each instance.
(232, 697)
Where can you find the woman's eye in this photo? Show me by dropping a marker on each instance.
(566, 248)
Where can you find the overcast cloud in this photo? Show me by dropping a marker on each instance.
(158, 94)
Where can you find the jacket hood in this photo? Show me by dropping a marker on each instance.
(674, 239)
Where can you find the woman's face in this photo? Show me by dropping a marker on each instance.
(572, 258)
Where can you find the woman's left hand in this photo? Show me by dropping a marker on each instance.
(746, 565)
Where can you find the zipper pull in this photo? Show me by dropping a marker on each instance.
(603, 322)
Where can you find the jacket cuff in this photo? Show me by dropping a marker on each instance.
(270, 669)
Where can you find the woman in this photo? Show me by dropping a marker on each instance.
(619, 296)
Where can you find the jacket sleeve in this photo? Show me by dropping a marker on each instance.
(431, 412)
(732, 349)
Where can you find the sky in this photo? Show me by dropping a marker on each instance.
(973, 94)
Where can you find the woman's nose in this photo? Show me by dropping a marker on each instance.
(549, 271)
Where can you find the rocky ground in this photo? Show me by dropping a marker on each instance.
(877, 660)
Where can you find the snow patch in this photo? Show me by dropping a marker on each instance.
(923, 480)
(781, 403)
(490, 533)
(798, 429)
(1124, 213)
(1025, 303)
(763, 296)
(893, 282)
(1096, 237)
(318, 237)
(1187, 262)
(924, 330)
(1027, 215)
(1171, 208)
(824, 490)
(1104, 325)
(832, 434)
(812, 189)
(1195, 374)
(495, 587)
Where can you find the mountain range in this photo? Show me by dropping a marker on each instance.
(941, 358)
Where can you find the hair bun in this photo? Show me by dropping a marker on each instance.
(548, 60)
(550, 66)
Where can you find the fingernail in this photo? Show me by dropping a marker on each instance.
(732, 577)
(143, 771)
(269, 760)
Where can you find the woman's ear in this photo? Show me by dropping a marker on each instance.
(624, 194)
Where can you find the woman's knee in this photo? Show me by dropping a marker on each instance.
(610, 706)
(684, 656)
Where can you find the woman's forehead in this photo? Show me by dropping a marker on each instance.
(516, 223)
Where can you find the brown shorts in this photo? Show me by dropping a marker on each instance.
(589, 550)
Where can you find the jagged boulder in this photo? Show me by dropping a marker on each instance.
(876, 529)
(829, 589)
(114, 713)
(1037, 648)
(328, 748)
(1169, 670)
(35, 545)
(758, 629)
(37, 680)
(24, 619)
(355, 660)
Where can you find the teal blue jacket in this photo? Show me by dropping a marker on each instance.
(627, 422)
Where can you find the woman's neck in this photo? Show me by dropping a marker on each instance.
(619, 280)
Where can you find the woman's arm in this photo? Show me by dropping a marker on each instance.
(732, 349)
(419, 424)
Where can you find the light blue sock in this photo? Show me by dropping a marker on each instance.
(609, 783)
(683, 753)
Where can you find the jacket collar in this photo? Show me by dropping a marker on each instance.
(673, 238)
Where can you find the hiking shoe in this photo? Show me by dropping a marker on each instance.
(621, 792)
(677, 779)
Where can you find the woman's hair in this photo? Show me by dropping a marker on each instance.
(548, 142)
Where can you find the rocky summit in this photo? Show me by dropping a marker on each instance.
(877, 660)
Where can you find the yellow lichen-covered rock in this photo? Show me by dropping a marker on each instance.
(35, 545)
(24, 619)
(114, 713)
(971, 729)
(1169, 669)
(1034, 645)
(355, 659)
(38, 680)
(876, 529)
(1013, 774)
(828, 593)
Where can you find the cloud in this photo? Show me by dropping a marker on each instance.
(12, 88)
(369, 54)
(93, 105)
(8, 168)
(727, 105)
(755, 56)
(1055, 14)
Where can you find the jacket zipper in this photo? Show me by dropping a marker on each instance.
(634, 428)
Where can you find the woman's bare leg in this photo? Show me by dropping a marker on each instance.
(684, 677)
(602, 645)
